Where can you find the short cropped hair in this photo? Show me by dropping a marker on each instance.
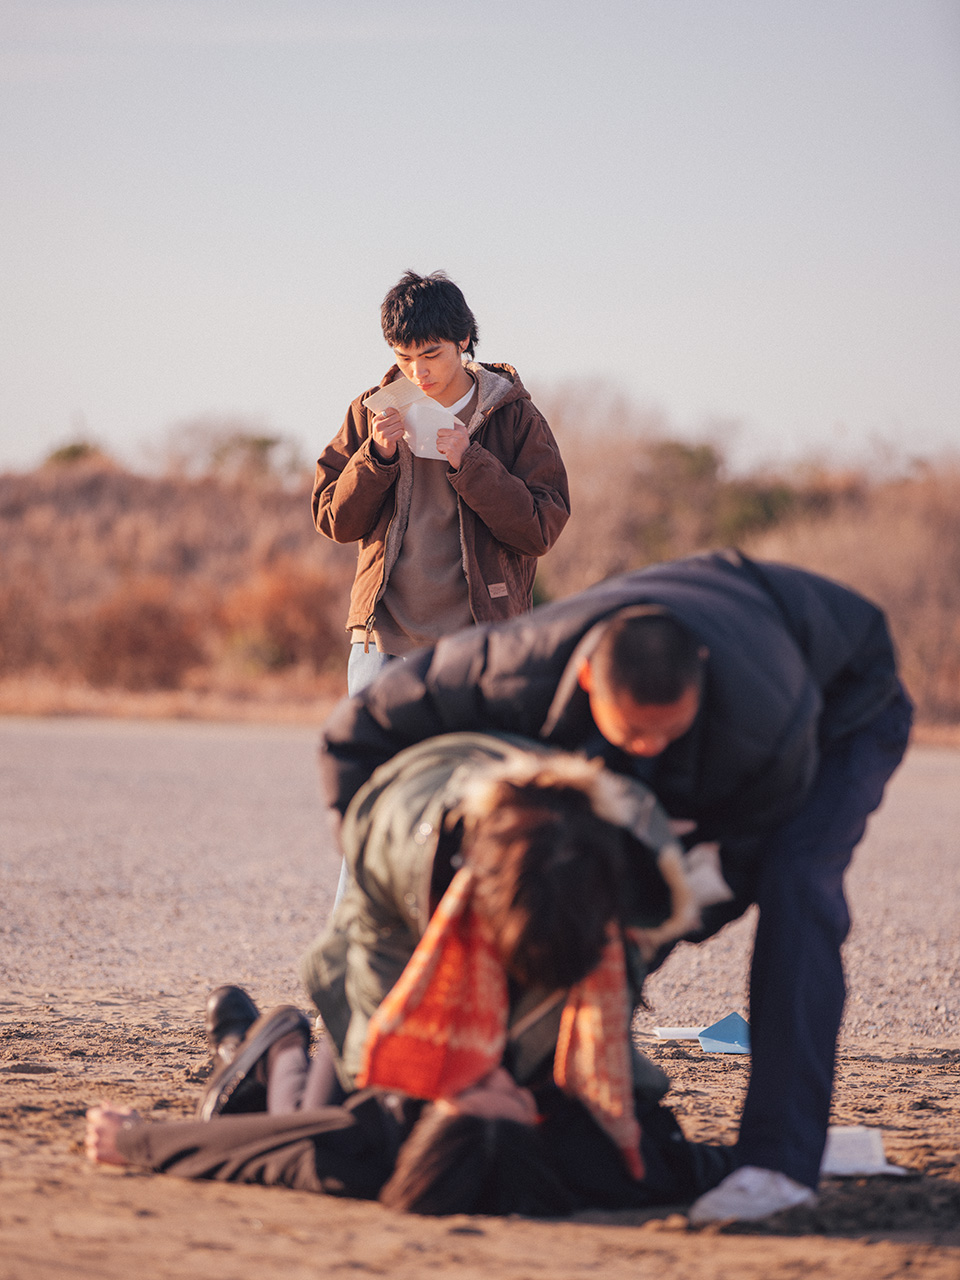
(468, 1164)
(422, 309)
(648, 654)
(549, 876)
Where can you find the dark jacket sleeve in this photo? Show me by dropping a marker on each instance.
(347, 1151)
(469, 681)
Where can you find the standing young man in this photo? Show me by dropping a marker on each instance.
(443, 542)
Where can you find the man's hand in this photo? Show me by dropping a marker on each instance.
(387, 430)
(496, 1097)
(103, 1126)
(453, 443)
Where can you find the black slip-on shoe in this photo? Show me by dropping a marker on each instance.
(230, 1014)
(239, 1087)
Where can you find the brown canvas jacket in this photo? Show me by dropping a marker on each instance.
(511, 488)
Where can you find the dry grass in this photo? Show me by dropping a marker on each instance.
(297, 698)
(899, 543)
(124, 582)
(639, 496)
(212, 596)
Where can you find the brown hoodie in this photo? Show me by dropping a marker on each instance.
(511, 488)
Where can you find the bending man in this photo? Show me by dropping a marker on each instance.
(762, 705)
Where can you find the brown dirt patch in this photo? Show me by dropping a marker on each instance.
(61, 1217)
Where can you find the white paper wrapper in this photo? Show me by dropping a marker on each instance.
(395, 395)
(422, 417)
(422, 421)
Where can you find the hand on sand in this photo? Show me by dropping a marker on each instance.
(103, 1125)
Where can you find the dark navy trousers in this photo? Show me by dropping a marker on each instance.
(797, 988)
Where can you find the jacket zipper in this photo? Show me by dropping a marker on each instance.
(463, 542)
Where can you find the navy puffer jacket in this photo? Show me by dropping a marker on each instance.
(796, 663)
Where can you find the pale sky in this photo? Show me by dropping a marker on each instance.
(738, 211)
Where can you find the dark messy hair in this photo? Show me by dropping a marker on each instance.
(422, 309)
(548, 878)
(649, 654)
(467, 1164)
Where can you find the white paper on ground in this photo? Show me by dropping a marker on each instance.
(730, 1035)
(854, 1151)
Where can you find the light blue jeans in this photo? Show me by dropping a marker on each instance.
(362, 669)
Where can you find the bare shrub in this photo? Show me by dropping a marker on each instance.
(85, 530)
(131, 580)
(78, 453)
(639, 495)
(80, 542)
(234, 450)
(22, 628)
(617, 520)
(287, 614)
(899, 545)
(137, 638)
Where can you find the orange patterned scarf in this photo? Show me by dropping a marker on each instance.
(443, 1026)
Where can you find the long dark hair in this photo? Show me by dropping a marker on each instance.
(549, 875)
(466, 1164)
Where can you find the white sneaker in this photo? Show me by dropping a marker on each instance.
(750, 1193)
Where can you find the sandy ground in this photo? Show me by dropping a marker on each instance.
(142, 864)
